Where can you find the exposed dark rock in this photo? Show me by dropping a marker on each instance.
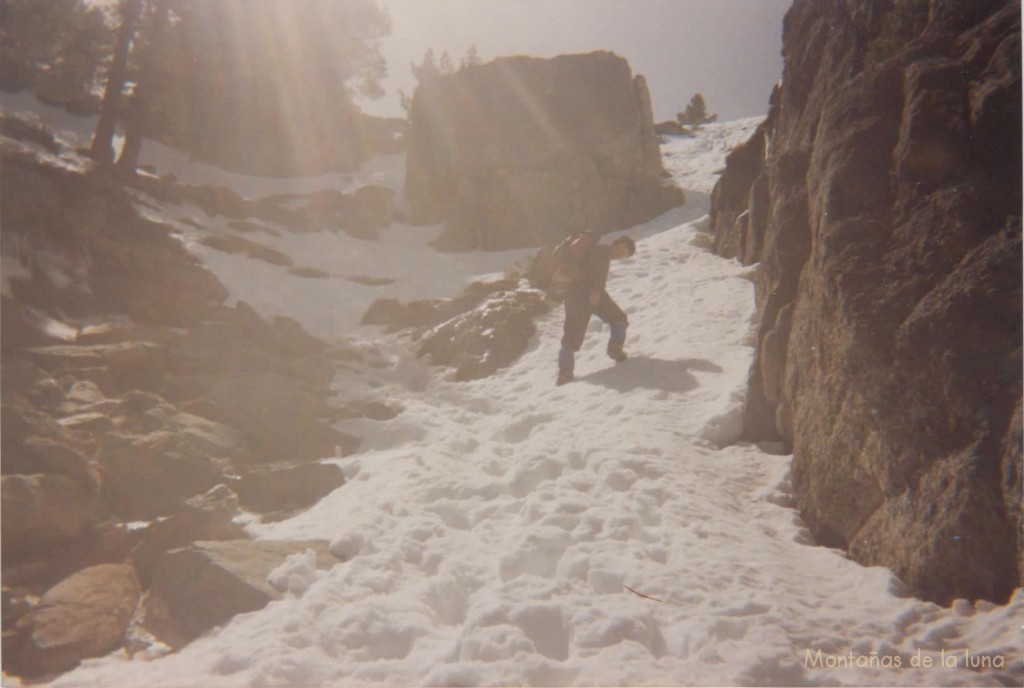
(43, 508)
(732, 202)
(427, 313)
(20, 379)
(282, 417)
(370, 281)
(16, 605)
(152, 475)
(26, 130)
(248, 227)
(886, 221)
(42, 455)
(372, 208)
(84, 616)
(383, 312)
(361, 213)
(47, 562)
(202, 586)
(287, 489)
(670, 128)
(106, 318)
(309, 273)
(237, 245)
(491, 336)
(210, 523)
(108, 255)
(292, 339)
(254, 327)
(522, 151)
(20, 422)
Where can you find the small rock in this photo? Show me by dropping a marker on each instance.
(90, 423)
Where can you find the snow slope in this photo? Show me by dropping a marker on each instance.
(608, 532)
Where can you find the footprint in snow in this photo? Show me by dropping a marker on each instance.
(521, 430)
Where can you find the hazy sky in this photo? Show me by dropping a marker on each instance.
(729, 50)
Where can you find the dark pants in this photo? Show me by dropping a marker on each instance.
(577, 316)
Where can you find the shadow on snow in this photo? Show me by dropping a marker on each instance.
(697, 205)
(652, 373)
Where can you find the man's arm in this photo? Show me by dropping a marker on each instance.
(598, 264)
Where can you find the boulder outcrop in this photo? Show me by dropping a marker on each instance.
(491, 336)
(84, 616)
(882, 200)
(521, 151)
(230, 577)
(486, 327)
(130, 393)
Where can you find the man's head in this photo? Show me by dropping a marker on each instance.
(623, 247)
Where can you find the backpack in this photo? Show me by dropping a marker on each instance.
(556, 269)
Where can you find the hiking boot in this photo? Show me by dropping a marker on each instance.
(563, 377)
(616, 353)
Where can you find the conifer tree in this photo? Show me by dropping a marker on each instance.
(56, 48)
(102, 149)
(696, 113)
(446, 66)
(471, 59)
(136, 113)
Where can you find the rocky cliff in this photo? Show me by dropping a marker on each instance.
(882, 199)
(131, 393)
(523, 150)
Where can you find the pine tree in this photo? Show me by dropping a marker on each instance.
(232, 82)
(136, 113)
(56, 48)
(696, 113)
(446, 66)
(427, 69)
(102, 149)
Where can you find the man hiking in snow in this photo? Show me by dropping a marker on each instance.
(587, 296)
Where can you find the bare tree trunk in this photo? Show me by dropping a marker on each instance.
(137, 113)
(134, 124)
(102, 149)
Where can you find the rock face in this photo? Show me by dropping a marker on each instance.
(882, 199)
(491, 336)
(129, 392)
(230, 577)
(486, 327)
(84, 616)
(524, 150)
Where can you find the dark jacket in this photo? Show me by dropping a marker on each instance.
(595, 269)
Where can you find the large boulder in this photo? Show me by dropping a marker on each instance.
(21, 421)
(204, 585)
(281, 415)
(86, 615)
(885, 216)
(208, 518)
(43, 509)
(491, 336)
(42, 455)
(132, 365)
(522, 150)
(426, 313)
(286, 489)
(148, 476)
(82, 249)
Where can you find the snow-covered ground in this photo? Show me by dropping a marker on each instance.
(608, 532)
